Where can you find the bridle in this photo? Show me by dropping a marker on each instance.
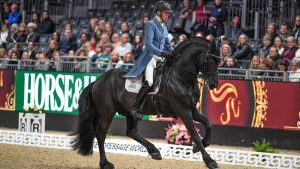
(205, 74)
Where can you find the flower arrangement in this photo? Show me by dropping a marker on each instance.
(178, 134)
(33, 109)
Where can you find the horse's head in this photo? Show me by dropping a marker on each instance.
(209, 69)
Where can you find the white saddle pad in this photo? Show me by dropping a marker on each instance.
(133, 85)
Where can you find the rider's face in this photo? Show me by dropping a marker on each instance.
(165, 16)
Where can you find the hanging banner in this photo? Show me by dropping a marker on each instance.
(7, 89)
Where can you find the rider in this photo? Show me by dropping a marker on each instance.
(157, 45)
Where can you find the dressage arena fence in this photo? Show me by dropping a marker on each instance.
(168, 151)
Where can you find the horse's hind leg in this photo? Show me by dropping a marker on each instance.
(132, 132)
(202, 119)
(101, 135)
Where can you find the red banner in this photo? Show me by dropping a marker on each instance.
(253, 104)
(7, 90)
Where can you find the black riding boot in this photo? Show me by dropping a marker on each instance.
(139, 101)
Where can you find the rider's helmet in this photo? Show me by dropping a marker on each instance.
(162, 6)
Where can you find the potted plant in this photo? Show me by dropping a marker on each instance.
(32, 119)
(178, 134)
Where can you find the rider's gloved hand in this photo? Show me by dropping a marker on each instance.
(166, 55)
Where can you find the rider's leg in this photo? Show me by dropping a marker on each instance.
(141, 96)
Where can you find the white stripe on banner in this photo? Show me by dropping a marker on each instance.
(169, 151)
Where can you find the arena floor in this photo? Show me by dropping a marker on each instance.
(27, 157)
(17, 157)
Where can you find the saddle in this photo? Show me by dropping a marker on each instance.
(133, 85)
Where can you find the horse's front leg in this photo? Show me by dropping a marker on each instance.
(198, 117)
(132, 132)
(187, 119)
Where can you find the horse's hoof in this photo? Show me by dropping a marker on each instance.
(108, 166)
(205, 143)
(212, 165)
(156, 156)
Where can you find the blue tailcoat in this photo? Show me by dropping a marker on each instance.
(156, 40)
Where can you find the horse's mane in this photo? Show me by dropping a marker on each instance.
(183, 45)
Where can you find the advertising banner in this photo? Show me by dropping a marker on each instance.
(253, 104)
(55, 92)
(7, 90)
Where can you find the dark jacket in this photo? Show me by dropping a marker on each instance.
(46, 27)
(243, 52)
(34, 37)
(276, 61)
(11, 37)
(21, 37)
(65, 46)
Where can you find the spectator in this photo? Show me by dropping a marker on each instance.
(243, 51)
(104, 39)
(3, 35)
(42, 63)
(26, 63)
(225, 51)
(218, 14)
(32, 36)
(281, 69)
(100, 28)
(14, 16)
(230, 63)
(35, 18)
(22, 35)
(47, 26)
(284, 31)
(80, 65)
(115, 39)
(255, 63)
(68, 42)
(13, 57)
(104, 58)
(84, 39)
(12, 34)
(93, 44)
(125, 29)
(264, 49)
(30, 50)
(289, 52)
(278, 43)
(185, 13)
(4, 14)
(54, 61)
(56, 36)
(98, 35)
(137, 48)
(3, 58)
(297, 54)
(53, 45)
(267, 65)
(224, 40)
(109, 29)
(128, 61)
(234, 29)
(271, 32)
(98, 52)
(294, 74)
(114, 62)
(93, 26)
(125, 45)
(274, 55)
(182, 38)
(296, 29)
(201, 17)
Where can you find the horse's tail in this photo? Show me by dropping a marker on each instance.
(87, 123)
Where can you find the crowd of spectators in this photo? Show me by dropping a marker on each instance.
(109, 47)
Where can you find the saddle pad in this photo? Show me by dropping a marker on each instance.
(133, 85)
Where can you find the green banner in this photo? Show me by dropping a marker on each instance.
(55, 92)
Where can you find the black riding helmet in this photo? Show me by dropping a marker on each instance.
(162, 6)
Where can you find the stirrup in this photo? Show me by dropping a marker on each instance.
(136, 114)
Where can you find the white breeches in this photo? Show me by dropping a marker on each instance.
(150, 69)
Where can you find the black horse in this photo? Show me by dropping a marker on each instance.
(178, 94)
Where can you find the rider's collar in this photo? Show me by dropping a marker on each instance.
(159, 19)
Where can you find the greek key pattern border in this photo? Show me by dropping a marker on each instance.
(223, 156)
